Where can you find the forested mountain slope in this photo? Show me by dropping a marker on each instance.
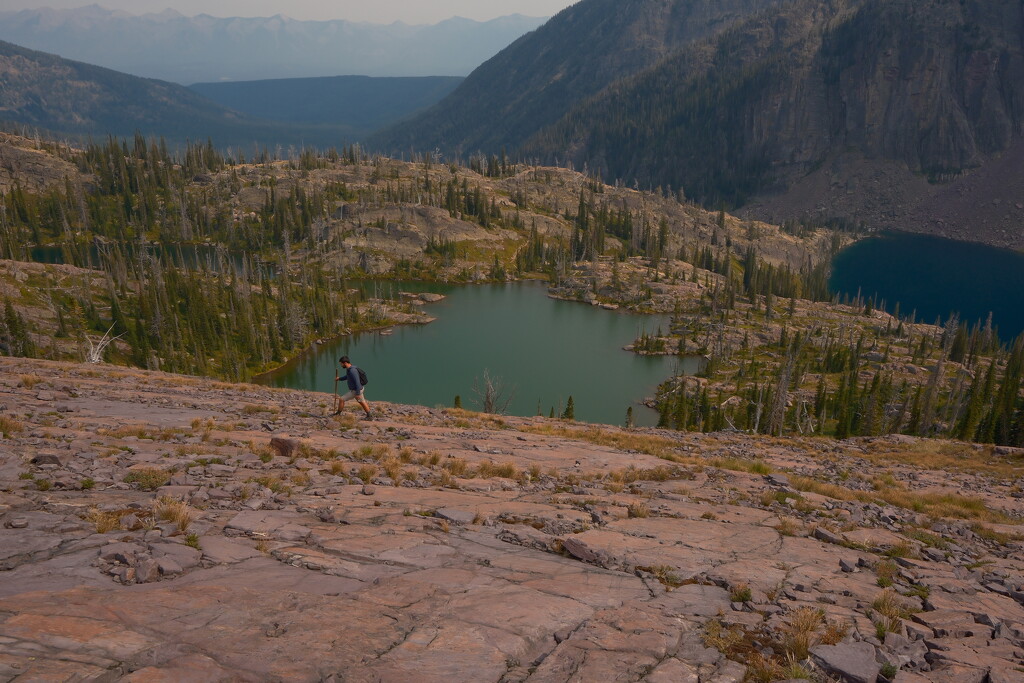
(362, 102)
(886, 113)
(580, 51)
(934, 90)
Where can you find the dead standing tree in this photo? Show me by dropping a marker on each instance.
(95, 352)
(492, 393)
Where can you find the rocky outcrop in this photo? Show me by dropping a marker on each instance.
(148, 529)
(32, 167)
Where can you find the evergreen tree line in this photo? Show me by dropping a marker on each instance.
(972, 391)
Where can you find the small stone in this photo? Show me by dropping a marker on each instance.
(46, 459)
(368, 490)
(17, 523)
(847, 566)
(147, 571)
(823, 534)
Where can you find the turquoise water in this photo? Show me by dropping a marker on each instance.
(543, 351)
(935, 277)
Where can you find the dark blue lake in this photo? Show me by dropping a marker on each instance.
(935, 277)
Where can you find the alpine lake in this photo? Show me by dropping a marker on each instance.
(932, 277)
(541, 350)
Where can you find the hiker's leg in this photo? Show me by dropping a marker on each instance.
(344, 397)
(364, 404)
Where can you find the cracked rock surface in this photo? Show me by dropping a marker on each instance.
(149, 531)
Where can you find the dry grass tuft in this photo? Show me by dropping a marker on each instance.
(887, 571)
(203, 427)
(738, 465)
(660, 447)
(367, 473)
(934, 504)
(175, 511)
(376, 452)
(29, 381)
(251, 409)
(148, 478)
(457, 467)
(9, 426)
(263, 451)
(392, 467)
(638, 509)
(741, 593)
(801, 631)
(507, 470)
(722, 638)
(104, 521)
(787, 527)
(835, 632)
(889, 604)
(950, 456)
(274, 483)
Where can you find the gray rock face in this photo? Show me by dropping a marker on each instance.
(851, 662)
(456, 516)
(563, 577)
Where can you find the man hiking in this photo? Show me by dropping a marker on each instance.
(355, 387)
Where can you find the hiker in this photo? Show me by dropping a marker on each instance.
(355, 387)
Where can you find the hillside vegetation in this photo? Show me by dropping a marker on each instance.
(217, 265)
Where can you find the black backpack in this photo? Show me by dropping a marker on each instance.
(362, 376)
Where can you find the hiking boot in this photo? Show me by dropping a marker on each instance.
(368, 417)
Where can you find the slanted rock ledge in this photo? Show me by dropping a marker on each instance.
(149, 531)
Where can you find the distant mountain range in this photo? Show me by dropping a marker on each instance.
(885, 113)
(186, 50)
(363, 103)
(81, 100)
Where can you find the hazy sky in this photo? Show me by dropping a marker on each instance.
(378, 11)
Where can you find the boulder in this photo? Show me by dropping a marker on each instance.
(125, 553)
(850, 662)
(456, 516)
(182, 555)
(284, 447)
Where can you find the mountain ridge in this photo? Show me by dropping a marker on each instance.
(203, 48)
(66, 97)
(536, 79)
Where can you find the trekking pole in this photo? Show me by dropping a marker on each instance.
(335, 387)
